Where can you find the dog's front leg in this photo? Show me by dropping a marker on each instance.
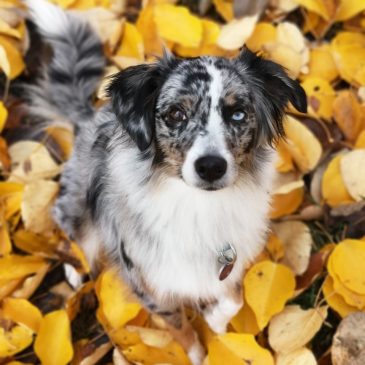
(219, 313)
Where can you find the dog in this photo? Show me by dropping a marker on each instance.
(171, 177)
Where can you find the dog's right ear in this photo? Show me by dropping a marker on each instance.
(133, 94)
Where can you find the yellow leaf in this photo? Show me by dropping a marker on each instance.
(287, 199)
(234, 34)
(116, 308)
(6, 29)
(263, 33)
(237, 349)
(350, 297)
(360, 142)
(275, 247)
(348, 50)
(245, 321)
(36, 208)
(17, 267)
(5, 243)
(131, 43)
(35, 244)
(284, 161)
(53, 344)
(147, 27)
(294, 327)
(321, 64)
(3, 114)
(335, 301)
(348, 8)
(64, 3)
(320, 96)
(317, 6)
(302, 144)
(15, 340)
(347, 263)
(349, 114)
(176, 24)
(353, 173)
(22, 311)
(334, 191)
(11, 196)
(224, 8)
(297, 243)
(211, 32)
(14, 56)
(302, 356)
(267, 288)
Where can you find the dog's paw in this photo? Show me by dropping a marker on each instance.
(196, 353)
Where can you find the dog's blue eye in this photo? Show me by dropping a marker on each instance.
(238, 116)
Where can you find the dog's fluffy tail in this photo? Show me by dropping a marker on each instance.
(65, 89)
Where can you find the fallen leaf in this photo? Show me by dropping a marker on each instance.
(17, 267)
(31, 161)
(321, 64)
(267, 287)
(237, 349)
(334, 190)
(132, 43)
(53, 344)
(348, 50)
(14, 56)
(349, 8)
(349, 114)
(348, 347)
(302, 144)
(360, 141)
(23, 312)
(234, 34)
(347, 263)
(14, 340)
(353, 173)
(297, 243)
(334, 300)
(294, 327)
(177, 24)
(320, 96)
(36, 208)
(245, 321)
(317, 6)
(301, 356)
(264, 33)
(116, 307)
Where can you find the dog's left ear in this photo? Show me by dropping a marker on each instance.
(273, 89)
(133, 94)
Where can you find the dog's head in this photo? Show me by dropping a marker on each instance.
(204, 118)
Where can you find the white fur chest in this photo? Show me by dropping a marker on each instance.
(174, 232)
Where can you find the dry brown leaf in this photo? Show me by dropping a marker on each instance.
(297, 242)
(294, 327)
(348, 346)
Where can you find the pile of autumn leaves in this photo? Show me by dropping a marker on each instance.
(320, 174)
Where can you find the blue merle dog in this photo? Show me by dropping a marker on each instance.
(170, 179)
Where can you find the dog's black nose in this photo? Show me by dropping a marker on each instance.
(211, 168)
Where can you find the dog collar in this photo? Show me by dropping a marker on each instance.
(227, 258)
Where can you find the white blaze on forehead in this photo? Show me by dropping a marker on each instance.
(215, 142)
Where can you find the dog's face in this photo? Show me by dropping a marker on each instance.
(206, 116)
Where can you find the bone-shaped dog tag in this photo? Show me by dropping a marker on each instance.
(227, 257)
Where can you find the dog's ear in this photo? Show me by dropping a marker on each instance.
(273, 89)
(133, 94)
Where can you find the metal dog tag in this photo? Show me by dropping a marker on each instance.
(227, 257)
